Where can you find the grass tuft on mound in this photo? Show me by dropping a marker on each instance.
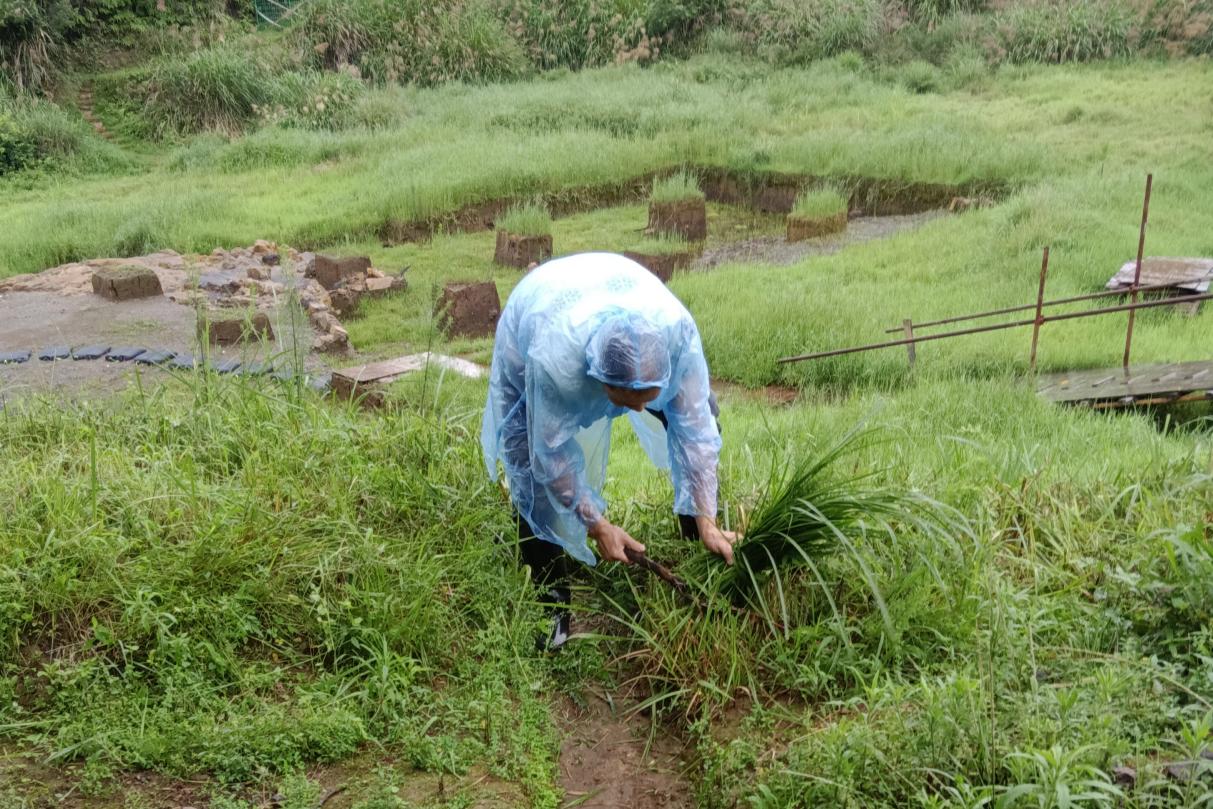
(526, 219)
(678, 187)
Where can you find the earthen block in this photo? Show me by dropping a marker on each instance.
(226, 329)
(126, 283)
(469, 310)
(804, 227)
(345, 301)
(519, 251)
(776, 198)
(686, 218)
(661, 265)
(330, 271)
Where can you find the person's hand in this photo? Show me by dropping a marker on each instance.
(717, 541)
(613, 542)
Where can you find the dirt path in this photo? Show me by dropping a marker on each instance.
(607, 759)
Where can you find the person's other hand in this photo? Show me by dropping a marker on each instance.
(613, 542)
(718, 542)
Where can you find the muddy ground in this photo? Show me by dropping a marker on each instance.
(777, 250)
(58, 308)
(612, 756)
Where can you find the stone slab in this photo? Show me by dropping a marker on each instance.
(124, 353)
(228, 366)
(154, 357)
(53, 353)
(14, 357)
(90, 352)
(183, 362)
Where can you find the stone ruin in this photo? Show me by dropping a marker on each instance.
(235, 292)
(469, 309)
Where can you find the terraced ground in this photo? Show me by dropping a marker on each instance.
(219, 590)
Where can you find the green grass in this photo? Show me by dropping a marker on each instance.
(677, 187)
(660, 246)
(529, 219)
(238, 585)
(819, 203)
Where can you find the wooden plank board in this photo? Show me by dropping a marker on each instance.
(1183, 275)
(1135, 385)
(356, 380)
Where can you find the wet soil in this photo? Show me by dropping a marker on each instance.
(777, 250)
(58, 308)
(612, 756)
(37, 320)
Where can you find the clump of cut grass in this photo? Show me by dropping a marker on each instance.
(819, 203)
(678, 187)
(808, 513)
(527, 219)
(661, 246)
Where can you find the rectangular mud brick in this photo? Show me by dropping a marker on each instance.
(89, 352)
(55, 353)
(227, 366)
(154, 357)
(126, 283)
(185, 362)
(515, 250)
(469, 309)
(16, 357)
(331, 271)
(123, 354)
(236, 329)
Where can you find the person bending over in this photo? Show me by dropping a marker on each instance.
(582, 340)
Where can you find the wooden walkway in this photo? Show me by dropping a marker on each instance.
(1136, 386)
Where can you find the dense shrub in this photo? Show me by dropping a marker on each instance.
(1176, 27)
(411, 41)
(795, 32)
(17, 150)
(1066, 31)
(581, 33)
(216, 89)
(314, 100)
(935, 10)
(36, 133)
(30, 33)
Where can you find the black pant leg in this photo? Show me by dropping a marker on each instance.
(551, 567)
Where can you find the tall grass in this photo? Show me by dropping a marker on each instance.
(30, 37)
(528, 219)
(192, 591)
(1069, 31)
(38, 135)
(217, 88)
(677, 187)
(816, 203)
(411, 42)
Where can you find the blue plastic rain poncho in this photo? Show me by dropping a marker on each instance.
(570, 326)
